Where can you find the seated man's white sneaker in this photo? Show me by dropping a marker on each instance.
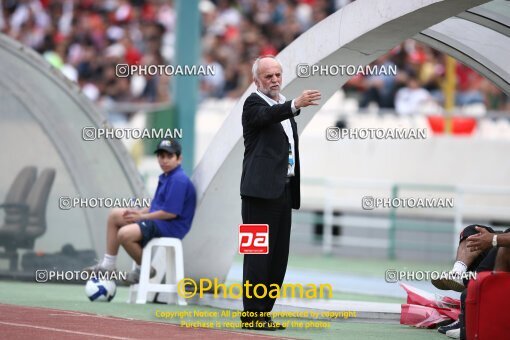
(453, 333)
(450, 281)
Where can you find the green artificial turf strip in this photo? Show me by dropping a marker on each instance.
(72, 297)
(362, 267)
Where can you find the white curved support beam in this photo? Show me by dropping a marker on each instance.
(493, 15)
(479, 47)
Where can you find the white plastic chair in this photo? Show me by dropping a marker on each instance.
(174, 272)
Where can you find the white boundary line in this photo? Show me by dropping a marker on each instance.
(63, 312)
(63, 330)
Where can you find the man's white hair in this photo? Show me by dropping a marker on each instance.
(255, 67)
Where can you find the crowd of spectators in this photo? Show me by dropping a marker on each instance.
(87, 38)
(420, 82)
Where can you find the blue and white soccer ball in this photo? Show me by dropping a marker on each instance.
(100, 290)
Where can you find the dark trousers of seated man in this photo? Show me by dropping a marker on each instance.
(268, 268)
(486, 261)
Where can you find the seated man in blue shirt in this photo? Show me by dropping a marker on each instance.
(170, 214)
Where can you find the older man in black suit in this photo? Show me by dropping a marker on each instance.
(270, 182)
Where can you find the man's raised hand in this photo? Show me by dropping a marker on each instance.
(307, 98)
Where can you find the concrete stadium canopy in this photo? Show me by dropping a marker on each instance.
(479, 37)
(43, 115)
(473, 31)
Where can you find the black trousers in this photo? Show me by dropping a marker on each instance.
(268, 268)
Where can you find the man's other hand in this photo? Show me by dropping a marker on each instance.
(480, 241)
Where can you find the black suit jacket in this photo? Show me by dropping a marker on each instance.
(266, 150)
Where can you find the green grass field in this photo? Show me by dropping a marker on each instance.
(362, 267)
(72, 297)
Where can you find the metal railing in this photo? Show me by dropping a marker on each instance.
(332, 196)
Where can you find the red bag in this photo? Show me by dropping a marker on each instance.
(488, 307)
(420, 316)
(424, 309)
